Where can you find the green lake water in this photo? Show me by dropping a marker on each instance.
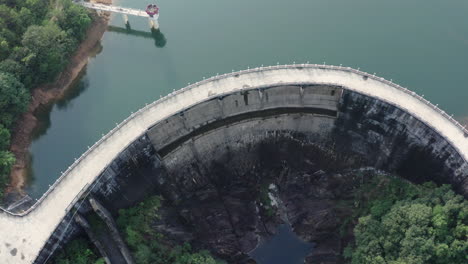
(420, 44)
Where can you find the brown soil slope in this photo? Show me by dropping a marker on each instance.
(47, 94)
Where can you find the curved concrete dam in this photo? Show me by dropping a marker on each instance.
(353, 116)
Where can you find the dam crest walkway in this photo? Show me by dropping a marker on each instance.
(24, 234)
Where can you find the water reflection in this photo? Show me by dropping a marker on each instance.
(156, 34)
(283, 248)
(43, 115)
(75, 90)
(43, 112)
(30, 179)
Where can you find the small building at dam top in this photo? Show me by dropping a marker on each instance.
(340, 108)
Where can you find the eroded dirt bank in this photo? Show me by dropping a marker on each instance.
(48, 94)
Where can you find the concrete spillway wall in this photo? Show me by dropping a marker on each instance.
(365, 118)
(369, 131)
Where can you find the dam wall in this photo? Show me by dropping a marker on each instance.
(366, 119)
(123, 182)
(391, 139)
(348, 124)
(248, 104)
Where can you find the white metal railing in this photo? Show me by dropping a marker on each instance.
(218, 77)
(117, 9)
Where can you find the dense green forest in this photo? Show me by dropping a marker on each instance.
(404, 223)
(78, 251)
(147, 245)
(37, 38)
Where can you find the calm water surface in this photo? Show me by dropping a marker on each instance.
(420, 44)
(283, 248)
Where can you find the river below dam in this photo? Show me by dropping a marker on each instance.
(284, 247)
(420, 44)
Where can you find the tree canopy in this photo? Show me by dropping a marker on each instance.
(78, 252)
(37, 38)
(14, 99)
(45, 62)
(427, 225)
(6, 161)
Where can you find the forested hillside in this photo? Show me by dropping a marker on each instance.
(404, 223)
(37, 38)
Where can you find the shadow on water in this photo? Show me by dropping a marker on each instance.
(155, 34)
(30, 179)
(44, 111)
(43, 115)
(284, 247)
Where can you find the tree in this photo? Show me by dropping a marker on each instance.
(51, 46)
(40, 8)
(8, 2)
(6, 162)
(100, 261)
(14, 99)
(4, 138)
(202, 257)
(26, 17)
(4, 48)
(10, 29)
(74, 19)
(77, 252)
(429, 229)
(14, 68)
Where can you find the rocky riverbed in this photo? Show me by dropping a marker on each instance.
(235, 207)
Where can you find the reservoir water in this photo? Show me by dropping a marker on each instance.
(420, 44)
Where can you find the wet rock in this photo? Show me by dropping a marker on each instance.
(232, 205)
(326, 252)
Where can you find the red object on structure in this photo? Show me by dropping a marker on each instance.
(152, 10)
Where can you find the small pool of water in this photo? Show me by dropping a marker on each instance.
(283, 248)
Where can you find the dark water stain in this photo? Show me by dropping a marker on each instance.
(283, 248)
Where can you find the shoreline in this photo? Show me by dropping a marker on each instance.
(47, 94)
